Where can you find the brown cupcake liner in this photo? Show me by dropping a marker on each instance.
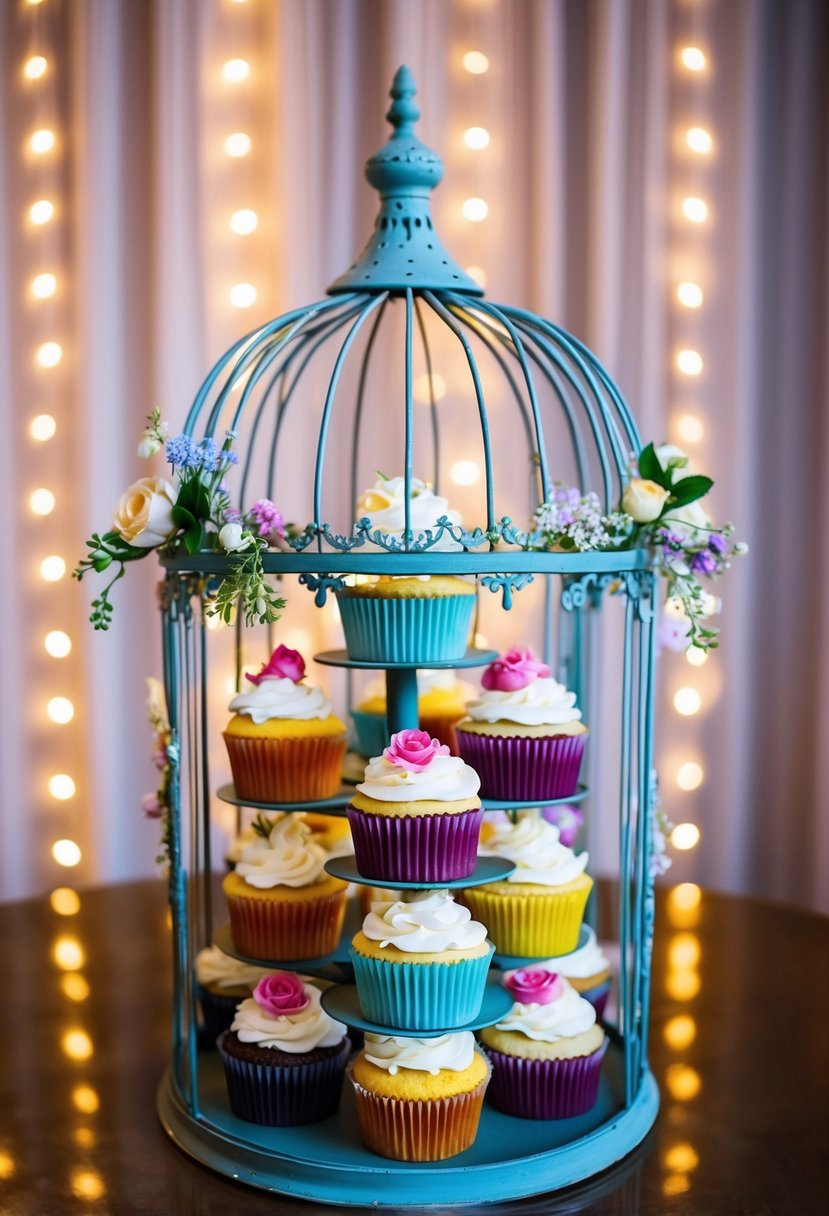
(281, 930)
(410, 1130)
(529, 926)
(286, 770)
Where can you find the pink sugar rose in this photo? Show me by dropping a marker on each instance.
(536, 987)
(514, 670)
(414, 750)
(284, 663)
(281, 994)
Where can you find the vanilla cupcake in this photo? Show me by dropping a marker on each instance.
(547, 1052)
(587, 969)
(524, 733)
(421, 962)
(409, 619)
(222, 982)
(419, 1099)
(416, 816)
(283, 905)
(284, 742)
(284, 1058)
(537, 911)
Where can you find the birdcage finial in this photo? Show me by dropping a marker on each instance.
(404, 249)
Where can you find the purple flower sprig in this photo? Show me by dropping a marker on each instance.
(685, 557)
(265, 519)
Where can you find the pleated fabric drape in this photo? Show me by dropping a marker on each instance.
(584, 176)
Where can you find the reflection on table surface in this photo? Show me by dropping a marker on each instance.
(737, 1043)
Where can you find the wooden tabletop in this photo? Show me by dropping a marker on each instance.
(739, 1046)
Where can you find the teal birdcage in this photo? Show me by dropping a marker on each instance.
(307, 382)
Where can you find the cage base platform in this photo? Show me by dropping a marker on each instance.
(327, 1162)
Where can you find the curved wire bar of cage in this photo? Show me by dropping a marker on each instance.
(359, 404)
(433, 408)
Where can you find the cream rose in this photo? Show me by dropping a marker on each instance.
(643, 500)
(234, 539)
(144, 516)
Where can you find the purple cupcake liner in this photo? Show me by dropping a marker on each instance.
(415, 848)
(217, 1011)
(528, 769)
(545, 1089)
(284, 1096)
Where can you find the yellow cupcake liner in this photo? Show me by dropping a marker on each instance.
(410, 1130)
(530, 926)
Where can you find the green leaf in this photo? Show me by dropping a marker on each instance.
(193, 537)
(688, 490)
(183, 517)
(651, 469)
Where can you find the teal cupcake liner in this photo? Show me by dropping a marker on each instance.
(380, 630)
(421, 996)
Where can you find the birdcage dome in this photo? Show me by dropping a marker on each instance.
(351, 384)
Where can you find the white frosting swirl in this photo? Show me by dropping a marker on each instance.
(544, 702)
(384, 506)
(295, 1034)
(213, 966)
(279, 697)
(564, 1018)
(534, 845)
(343, 846)
(452, 1051)
(580, 965)
(446, 779)
(288, 858)
(425, 922)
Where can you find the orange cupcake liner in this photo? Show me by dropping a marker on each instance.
(427, 1130)
(281, 930)
(529, 926)
(286, 770)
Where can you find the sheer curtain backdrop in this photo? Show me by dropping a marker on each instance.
(587, 104)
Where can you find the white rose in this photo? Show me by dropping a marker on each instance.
(148, 447)
(687, 520)
(643, 500)
(144, 516)
(666, 452)
(232, 540)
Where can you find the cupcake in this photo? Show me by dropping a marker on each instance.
(282, 903)
(416, 816)
(587, 970)
(410, 619)
(547, 1052)
(284, 1058)
(441, 702)
(421, 962)
(284, 743)
(537, 911)
(419, 1099)
(222, 982)
(523, 735)
(331, 832)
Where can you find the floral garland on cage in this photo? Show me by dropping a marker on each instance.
(157, 804)
(197, 516)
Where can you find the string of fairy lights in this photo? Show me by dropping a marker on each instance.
(694, 146)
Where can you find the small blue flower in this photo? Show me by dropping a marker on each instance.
(231, 457)
(208, 455)
(183, 452)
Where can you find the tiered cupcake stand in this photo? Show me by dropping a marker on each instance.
(551, 381)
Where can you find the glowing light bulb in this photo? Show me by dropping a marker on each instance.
(62, 787)
(695, 210)
(60, 710)
(42, 427)
(242, 295)
(87, 1184)
(65, 901)
(685, 836)
(420, 388)
(238, 144)
(66, 853)
(74, 986)
(7, 1165)
(683, 1082)
(84, 1137)
(689, 362)
(685, 896)
(52, 569)
(465, 472)
(42, 141)
(687, 701)
(695, 656)
(35, 67)
(57, 643)
(49, 354)
(478, 274)
(41, 211)
(476, 63)
(476, 137)
(235, 70)
(683, 985)
(244, 221)
(85, 1099)
(692, 58)
(42, 502)
(690, 428)
(699, 140)
(680, 1031)
(689, 295)
(34, 3)
(681, 1157)
(475, 209)
(690, 775)
(44, 286)
(684, 950)
(67, 953)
